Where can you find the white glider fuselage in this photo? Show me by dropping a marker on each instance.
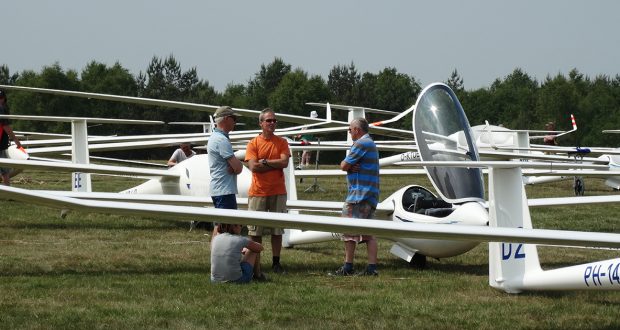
(469, 214)
(194, 180)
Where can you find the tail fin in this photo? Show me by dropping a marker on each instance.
(328, 115)
(291, 190)
(509, 262)
(574, 124)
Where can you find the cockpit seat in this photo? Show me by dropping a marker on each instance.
(421, 201)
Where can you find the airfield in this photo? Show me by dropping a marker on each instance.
(109, 271)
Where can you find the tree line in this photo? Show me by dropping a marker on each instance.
(516, 101)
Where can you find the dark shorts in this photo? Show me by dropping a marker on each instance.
(224, 202)
(4, 154)
(247, 271)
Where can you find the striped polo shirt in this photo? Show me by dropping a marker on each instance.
(363, 185)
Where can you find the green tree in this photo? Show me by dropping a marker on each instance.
(557, 99)
(265, 82)
(5, 76)
(455, 82)
(514, 100)
(53, 77)
(235, 95)
(99, 78)
(295, 90)
(164, 79)
(343, 83)
(602, 113)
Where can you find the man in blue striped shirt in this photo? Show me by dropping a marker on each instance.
(362, 166)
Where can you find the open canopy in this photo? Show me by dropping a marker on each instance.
(442, 133)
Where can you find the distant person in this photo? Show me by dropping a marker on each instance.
(184, 152)
(232, 255)
(362, 167)
(6, 133)
(550, 139)
(306, 139)
(267, 155)
(223, 164)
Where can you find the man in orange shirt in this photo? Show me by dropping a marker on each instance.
(267, 155)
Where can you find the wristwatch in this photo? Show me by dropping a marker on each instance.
(264, 162)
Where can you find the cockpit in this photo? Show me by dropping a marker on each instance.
(417, 199)
(439, 123)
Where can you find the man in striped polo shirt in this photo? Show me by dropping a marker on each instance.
(362, 166)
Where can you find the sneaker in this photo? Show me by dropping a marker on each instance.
(342, 272)
(368, 273)
(260, 277)
(278, 269)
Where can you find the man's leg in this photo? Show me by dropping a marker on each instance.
(257, 270)
(349, 251)
(249, 257)
(368, 212)
(372, 251)
(276, 203)
(276, 245)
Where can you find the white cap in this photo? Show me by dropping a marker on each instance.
(314, 114)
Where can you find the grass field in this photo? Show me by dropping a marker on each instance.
(116, 272)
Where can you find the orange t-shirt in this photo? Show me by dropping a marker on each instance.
(271, 182)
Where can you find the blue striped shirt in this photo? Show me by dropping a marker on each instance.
(363, 185)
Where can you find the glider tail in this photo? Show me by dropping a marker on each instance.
(509, 263)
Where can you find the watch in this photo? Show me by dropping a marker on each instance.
(264, 162)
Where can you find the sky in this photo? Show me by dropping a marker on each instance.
(228, 41)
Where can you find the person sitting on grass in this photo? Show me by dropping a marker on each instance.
(232, 255)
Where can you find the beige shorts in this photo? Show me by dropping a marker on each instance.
(275, 203)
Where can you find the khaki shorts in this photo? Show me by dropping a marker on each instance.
(275, 203)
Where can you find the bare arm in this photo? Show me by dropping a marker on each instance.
(282, 162)
(10, 133)
(254, 247)
(348, 167)
(345, 166)
(171, 162)
(234, 165)
(255, 166)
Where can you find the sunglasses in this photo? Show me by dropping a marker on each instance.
(234, 118)
(271, 120)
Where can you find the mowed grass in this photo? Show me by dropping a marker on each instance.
(118, 272)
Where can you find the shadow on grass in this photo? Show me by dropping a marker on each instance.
(137, 225)
(106, 272)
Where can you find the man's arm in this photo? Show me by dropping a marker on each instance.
(354, 156)
(10, 133)
(172, 161)
(282, 162)
(254, 247)
(255, 166)
(349, 168)
(345, 166)
(234, 165)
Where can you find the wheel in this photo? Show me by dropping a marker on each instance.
(580, 186)
(418, 261)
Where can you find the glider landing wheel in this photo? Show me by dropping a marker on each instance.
(418, 261)
(580, 186)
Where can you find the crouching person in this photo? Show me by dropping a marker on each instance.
(232, 255)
